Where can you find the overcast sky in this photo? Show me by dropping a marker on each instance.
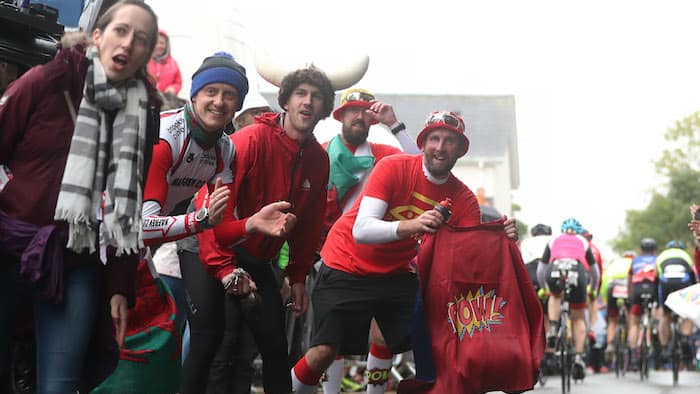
(596, 83)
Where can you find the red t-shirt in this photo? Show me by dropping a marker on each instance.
(398, 180)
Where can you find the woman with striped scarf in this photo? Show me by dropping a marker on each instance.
(77, 134)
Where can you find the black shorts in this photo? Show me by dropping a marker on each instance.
(636, 299)
(344, 304)
(619, 284)
(668, 287)
(577, 297)
(532, 272)
(675, 275)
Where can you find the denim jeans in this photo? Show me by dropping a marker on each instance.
(62, 330)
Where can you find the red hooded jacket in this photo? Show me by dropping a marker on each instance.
(269, 167)
(165, 69)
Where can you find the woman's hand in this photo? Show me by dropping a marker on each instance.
(119, 310)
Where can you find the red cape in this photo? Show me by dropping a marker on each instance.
(484, 316)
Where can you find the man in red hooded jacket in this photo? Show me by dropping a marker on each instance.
(277, 158)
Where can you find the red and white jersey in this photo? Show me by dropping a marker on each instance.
(180, 167)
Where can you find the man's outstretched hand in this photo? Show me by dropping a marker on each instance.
(273, 219)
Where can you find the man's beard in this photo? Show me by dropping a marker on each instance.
(439, 169)
(354, 138)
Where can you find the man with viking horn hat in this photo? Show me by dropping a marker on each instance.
(352, 158)
(277, 158)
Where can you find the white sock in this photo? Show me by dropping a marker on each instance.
(298, 387)
(378, 370)
(333, 377)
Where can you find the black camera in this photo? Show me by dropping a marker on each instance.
(28, 36)
(696, 216)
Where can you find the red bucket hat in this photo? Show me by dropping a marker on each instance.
(444, 120)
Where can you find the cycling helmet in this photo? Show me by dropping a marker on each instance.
(675, 244)
(540, 229)
(647, 245)
(571, 224)
(629, 254)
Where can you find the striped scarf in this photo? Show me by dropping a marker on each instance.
(84, 188)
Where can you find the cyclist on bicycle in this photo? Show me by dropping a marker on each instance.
(674, 268)
(592, 304)
(531, 250)
(614, 295)
(642, 275)
(569, 245)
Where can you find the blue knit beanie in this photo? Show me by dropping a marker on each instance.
(220, 68)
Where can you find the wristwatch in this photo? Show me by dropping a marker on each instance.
(398, 127)
(202, 218)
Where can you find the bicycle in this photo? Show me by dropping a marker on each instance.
(567, 271)
(621, 347)
(676, 348)
(644, 332)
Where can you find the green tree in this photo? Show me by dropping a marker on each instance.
(666, 217)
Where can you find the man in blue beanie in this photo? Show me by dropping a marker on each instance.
(218, 89)
(193, 151)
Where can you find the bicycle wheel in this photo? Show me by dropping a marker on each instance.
(675, 353)
(619, 360)
(563, 359)
(643, 355)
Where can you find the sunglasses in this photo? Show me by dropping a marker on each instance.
(448, 118)
(359, 96)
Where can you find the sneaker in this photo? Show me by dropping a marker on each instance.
(579, 368)
(609, 354)
(665, 354)
(549, 364)
(634, 359)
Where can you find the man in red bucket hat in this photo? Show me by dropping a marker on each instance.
(365, 273)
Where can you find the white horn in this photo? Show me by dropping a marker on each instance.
(270, 70)
(342, 74)
(344, 77)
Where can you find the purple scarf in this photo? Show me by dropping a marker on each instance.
(40, 250)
